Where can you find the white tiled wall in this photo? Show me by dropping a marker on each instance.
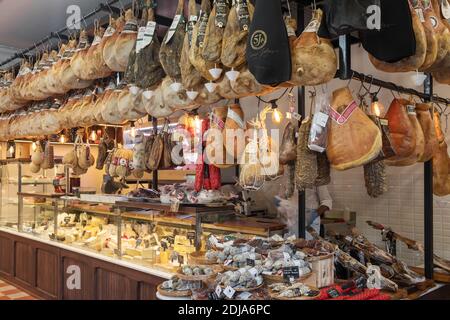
(402, 206)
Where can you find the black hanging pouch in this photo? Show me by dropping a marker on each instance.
(395, 41)
(268, 54)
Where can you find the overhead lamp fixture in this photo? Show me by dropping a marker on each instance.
(277, 116)
(376, 107)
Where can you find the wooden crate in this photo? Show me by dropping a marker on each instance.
(323, 267)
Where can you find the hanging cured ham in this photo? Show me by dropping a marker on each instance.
(314, 60)
(212, 44)
(353, 139)
(419, 148)
(268, 53)
(109, 54)
(125, 41)
(441, 71)
(441, 179)
(190, 77)
(198, 37)
(172, 45)
(96, 66)
(78, 62)
(409, 63)
(402, 132)
(235, 34)
(423, 111)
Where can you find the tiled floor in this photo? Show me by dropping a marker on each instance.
(9, 292)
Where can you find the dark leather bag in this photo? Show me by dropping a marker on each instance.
(267, 53)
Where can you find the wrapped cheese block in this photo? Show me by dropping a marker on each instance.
(353, 139)
(235, 34)
(423, 111)
(402, 131)
(420, 140)
(410, 63)
(314, 60)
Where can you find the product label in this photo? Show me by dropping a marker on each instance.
(221, 13)
(218, 291)
(130, 27)
(411, 109)
(190, 27)
(321, 119)
(445, 9)
(291, 273)
(203, 24)
(419, 12)
(313, 26)
(229, 292)
(147, 36)
(253, 272)
(250, 262)
(234, 116)
(243, 14)
(173, 27)
(342, 118)
(140, 37)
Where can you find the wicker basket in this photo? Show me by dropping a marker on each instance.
(203, 277)
(198, 258)
(174, 293)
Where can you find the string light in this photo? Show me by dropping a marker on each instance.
(62, 139)
(11, 149)
(277, 116)
(93, 135)
(376, 108)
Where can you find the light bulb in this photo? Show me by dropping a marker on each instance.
(377, 108)
(33, 146)
(276, 116)
(11, 149)
(198, 123)
(62, 138)
(133, 132)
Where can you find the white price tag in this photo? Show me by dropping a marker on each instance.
(218, 291)
(193, 18)
(244, 295)
(297, 116)
(411, 109)
(420, 14)
(374, 279)
(229, 292)
(286, 256)
(348, 238)
(173, 27)
(253, 272)
(227, 262)
(147, 35)
(96, 41)
(321, 119)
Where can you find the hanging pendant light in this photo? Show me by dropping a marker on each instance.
(376, 107)
(277, 116)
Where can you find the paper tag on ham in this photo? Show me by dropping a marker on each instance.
(234, 116)
(411, 109)
(130, 27)
(190, 27)
(420, 14)
(221, 13)
(313, 26)
(109, 32)
(203, 24)
(243, 14)
(342, 118)
(139, 39)
(96, 41)
(290, 30)
(173, 27)
(321, 119)
(149, 32)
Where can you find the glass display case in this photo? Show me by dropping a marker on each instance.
(36, 211)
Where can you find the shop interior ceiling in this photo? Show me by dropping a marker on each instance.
(24, 23)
